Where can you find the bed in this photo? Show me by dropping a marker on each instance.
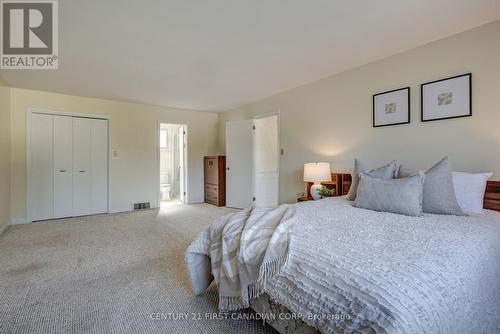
(344, 269)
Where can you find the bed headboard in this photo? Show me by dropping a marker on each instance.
(492, 196)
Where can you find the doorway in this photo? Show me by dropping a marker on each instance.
(252, 162)
(172, 164)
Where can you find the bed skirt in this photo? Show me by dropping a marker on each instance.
(280, 318)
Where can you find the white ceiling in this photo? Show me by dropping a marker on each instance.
(217, 54)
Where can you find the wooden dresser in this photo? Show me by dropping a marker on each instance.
(215, 180)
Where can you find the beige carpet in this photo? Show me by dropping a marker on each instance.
(108, 274)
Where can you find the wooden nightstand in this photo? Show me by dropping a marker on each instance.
(304, 199)
(346, 183)
(340, 184)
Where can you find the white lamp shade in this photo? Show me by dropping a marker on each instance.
(317, 172)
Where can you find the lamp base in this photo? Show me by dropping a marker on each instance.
(315, 188)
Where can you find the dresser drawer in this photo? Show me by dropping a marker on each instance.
(212, 199)
(211, 187)
(212, 195)
(211, 190)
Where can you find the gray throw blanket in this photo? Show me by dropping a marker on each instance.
(245, 248)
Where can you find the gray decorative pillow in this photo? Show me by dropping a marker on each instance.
(385, 172)
(401, 196)
(405, 172)
(439, 193)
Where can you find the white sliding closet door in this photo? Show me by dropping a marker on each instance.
(68, 166)
(40, 168)
(82, 166)
(99, 168)
(63, 166)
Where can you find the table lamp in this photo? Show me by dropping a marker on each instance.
(317, 172)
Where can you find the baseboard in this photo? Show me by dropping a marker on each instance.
(120, 210)
(132, 210)
(19, 221)
(4, 228)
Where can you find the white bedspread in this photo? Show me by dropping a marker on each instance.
(355, 270)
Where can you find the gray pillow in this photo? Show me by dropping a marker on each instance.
(385, 172)
(439, 193)
(401, 196)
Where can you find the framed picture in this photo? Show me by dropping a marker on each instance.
(392, 107)
(446, 98)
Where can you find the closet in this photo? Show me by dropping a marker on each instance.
(68, 166)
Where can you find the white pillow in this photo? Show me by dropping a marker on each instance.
(469, 190)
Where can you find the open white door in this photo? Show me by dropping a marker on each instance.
(182, 163)
(239, 164)
(266, 162)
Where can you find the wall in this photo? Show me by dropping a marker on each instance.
(331, 119)
(4, 156)
(134, 133)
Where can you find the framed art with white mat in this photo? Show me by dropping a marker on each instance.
(446, 98)
(391, 108)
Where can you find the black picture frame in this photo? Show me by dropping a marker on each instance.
(441, 80)
(388, 92)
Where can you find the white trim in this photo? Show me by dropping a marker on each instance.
(268, 114)
(158, 153)
(29, 113)
(186, 177)
(278, 134)
(19, 221)
(187, 198)
(121, 210)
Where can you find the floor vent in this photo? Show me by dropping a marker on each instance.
(142, 206)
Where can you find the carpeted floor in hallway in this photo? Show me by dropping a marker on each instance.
(108, 274)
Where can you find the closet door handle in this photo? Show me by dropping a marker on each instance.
(81, 171)
(62, 171)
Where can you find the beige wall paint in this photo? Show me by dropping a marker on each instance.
(4, 155)
(134, 131)
(331, 119)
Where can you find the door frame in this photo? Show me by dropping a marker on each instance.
(278, 152)
(29, 114)
(187, 199)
